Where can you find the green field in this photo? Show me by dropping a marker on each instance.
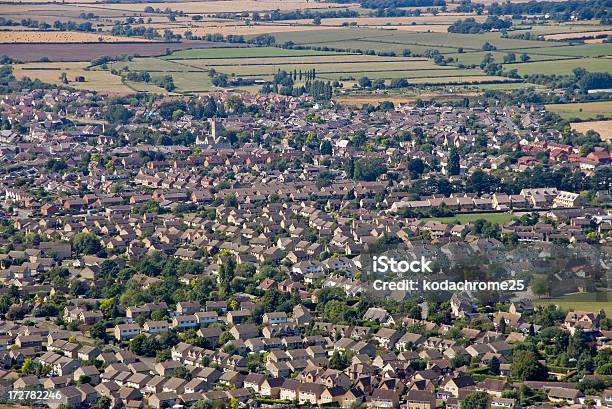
(561, 28)
(585, 50)
(583, 111)
(379, 39)
(190, 68)
(591, 302)
(562, 67)
(476, 57)
(499, 218)
(223, 53)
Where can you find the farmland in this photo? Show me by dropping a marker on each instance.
(263, 62)
(583, 111)
(102, 81)
(562, 67)
(390, 40)
(603, 128)
(32, 52)
(577, 35)
(581, 302)
(228, 6)
(62, 37)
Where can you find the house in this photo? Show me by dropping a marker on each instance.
(289, 390)
(187, 307)
(417, 399)
(244, 331)
(89, 373)
(125, 332)
(253, 381)
(383, 398)
(460, 305)
(162, 400)
(275, 318)
(379, 315)
(310, 393)
(270, 387)
(183, 322)
(156, 327)
(559, 394)
(387, 338)
(301, 315)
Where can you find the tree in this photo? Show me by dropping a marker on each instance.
(539, 285)
(509, 58)
(454, 166)
(183, 373)
(338, 361)
(230, 200)
(369, 169)
(364, 82)
(526, 367)
(86, 243)
(494, 366)
(326, 148)
(578, 343)
(476, 400)
(502, 325)
(416, 167)
(98, 331)
(227, 271)
(103, 402)
(117, 113)
(27, 366)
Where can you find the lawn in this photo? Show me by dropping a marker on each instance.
(499, 218)
(583, 111)
(591, 302)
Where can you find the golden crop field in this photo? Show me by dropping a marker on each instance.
(62, 37)
(99, 80)
(603, 128)
(229, 6)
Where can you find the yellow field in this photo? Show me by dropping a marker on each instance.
(594, 41)
(228, 6)
(101, 81)
(62, 37)
(566, 36)
(603, 128)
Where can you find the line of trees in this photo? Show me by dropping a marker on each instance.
(385, 4)
(562, 11)
(277, 15)
(471, 26)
